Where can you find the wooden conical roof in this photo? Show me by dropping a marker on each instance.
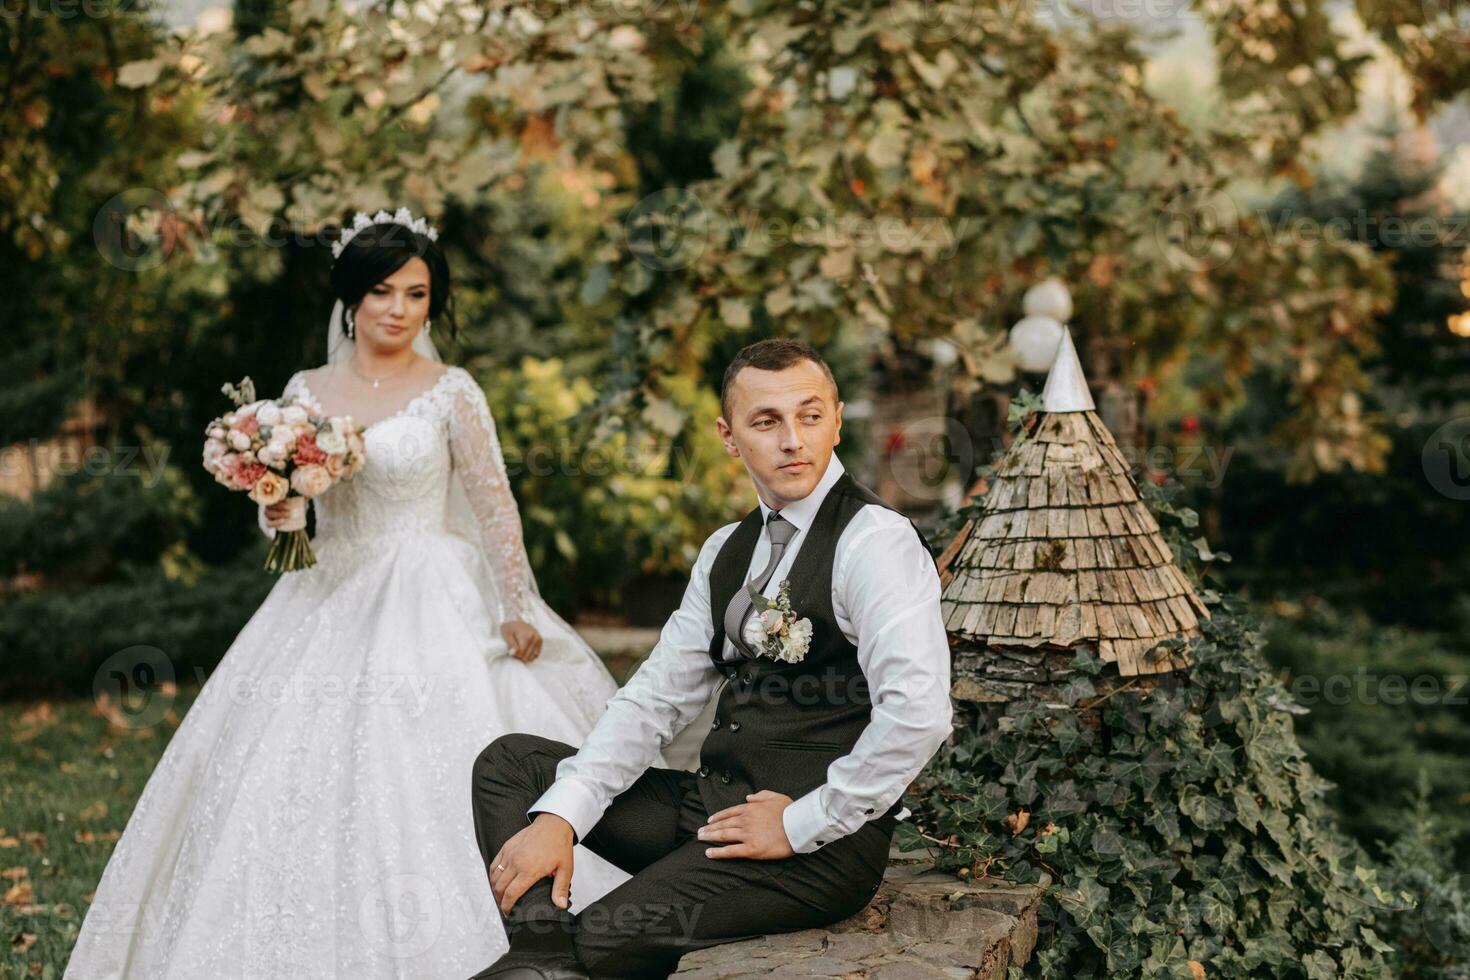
(1064, 552)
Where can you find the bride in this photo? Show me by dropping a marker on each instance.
(311, 816)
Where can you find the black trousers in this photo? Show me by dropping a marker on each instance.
(678, 899)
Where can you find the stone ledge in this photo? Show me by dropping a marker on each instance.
(921, 924)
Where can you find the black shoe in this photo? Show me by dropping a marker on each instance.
(534, 966)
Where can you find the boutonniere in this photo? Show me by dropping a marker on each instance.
(775, 631)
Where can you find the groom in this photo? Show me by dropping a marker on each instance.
(787, 823)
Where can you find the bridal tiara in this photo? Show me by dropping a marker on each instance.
(403, 216)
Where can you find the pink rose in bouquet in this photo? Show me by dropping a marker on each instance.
(275, 450)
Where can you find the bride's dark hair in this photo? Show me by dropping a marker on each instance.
(380, 250)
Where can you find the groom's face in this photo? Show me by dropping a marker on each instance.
(783, 424)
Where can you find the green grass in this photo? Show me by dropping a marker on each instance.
(68, 782)
(69, 779)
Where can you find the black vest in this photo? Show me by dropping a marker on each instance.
(778, 725)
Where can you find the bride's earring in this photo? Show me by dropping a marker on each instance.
(351, 319)
(427, 321)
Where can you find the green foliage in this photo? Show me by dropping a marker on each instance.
(55, 639)
(1183, 823)
(605, 507)
(1387, 706)
(884, 172)
(1433, 938)
(1391, 542)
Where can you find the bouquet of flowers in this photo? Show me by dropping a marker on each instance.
(274, 450)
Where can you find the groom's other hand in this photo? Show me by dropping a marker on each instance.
(750, 830)
(541, 850)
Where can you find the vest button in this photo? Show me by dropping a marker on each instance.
(734, 726)
(703, 771)
(725, 776)
(868, 810)
(716, 724)
(821, 843)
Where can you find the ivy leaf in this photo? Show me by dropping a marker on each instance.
(1091, 900)
(1207, 812)
(1319, 966)
(1371, 938)
(1076, 689)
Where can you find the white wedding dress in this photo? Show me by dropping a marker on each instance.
(311, 819)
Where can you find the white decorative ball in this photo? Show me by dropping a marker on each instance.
(1049, 298)
(1035, 340)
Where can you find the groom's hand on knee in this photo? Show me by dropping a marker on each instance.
(753, 829)
(540, 850)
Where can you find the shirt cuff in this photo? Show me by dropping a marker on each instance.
(806, 825)
(574, 802)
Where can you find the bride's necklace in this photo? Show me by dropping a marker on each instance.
(382, 377)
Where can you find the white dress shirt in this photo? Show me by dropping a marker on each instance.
(885, 595)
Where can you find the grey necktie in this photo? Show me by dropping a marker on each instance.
(780, 531)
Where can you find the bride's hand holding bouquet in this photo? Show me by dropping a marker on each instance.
(281, 454)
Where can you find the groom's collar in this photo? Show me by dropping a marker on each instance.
(802, 511)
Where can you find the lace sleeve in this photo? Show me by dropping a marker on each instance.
(475, 448)
(292, 389)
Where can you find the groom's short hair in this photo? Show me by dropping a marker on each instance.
(774, 354)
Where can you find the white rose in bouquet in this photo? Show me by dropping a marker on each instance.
(273, 455)
(329, 440)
